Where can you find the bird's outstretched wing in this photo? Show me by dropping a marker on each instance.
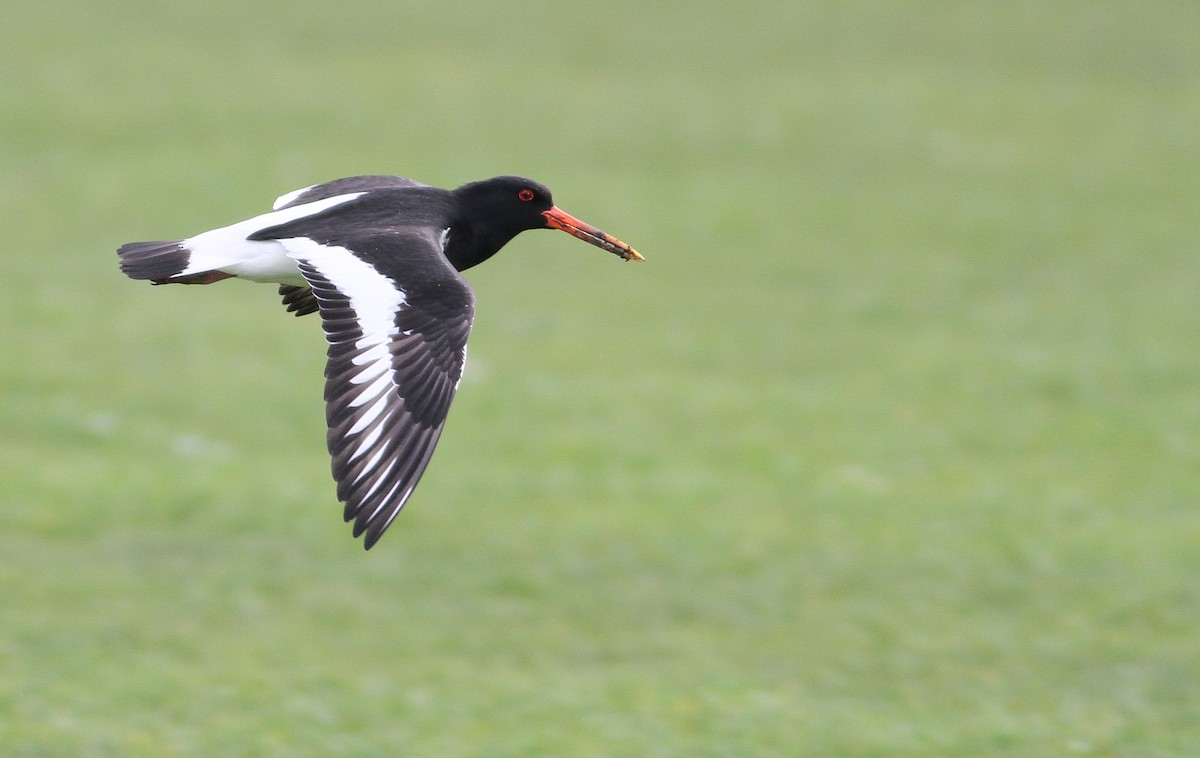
(395, 359)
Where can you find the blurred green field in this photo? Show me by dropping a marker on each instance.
(892, 447)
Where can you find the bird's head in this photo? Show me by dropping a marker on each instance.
(505, 206)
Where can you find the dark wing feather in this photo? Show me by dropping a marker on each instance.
(299, 300)
(395, 358)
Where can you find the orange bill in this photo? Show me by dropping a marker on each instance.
(557, 219)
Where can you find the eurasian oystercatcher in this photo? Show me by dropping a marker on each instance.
(378, 257)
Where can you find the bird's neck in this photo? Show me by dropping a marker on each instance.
(467, 247)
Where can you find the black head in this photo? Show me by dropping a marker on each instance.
(493, 211)
(509, 203)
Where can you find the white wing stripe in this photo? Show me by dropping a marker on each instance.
(379, 480)
(368, 374)
(374, 390)
(371, 463)
(375, 300)
(374, 297)
(376, 351)
(372, 413)
(371, 438)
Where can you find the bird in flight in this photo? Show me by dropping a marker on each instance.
(378, 258)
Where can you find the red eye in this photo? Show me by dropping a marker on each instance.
(525, 194)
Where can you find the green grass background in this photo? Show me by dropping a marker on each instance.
(892, 447)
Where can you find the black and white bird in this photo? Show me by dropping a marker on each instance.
(378, 257)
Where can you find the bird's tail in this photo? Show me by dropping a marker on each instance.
(156, 261)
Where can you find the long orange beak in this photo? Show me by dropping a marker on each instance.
(557, 219)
